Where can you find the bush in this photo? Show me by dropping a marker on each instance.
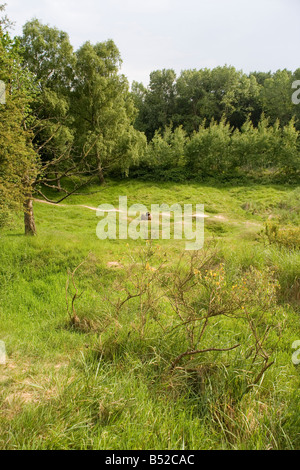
(216, 151)
(208, 152)
(191, 314)
(283, 236)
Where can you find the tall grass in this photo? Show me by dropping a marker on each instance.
(105, 385)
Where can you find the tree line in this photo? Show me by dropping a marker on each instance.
(70, 117)
(222, 92)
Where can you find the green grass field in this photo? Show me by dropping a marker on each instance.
(106, 381)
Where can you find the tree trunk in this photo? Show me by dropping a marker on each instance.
(100, 175)
(58, 182)
(30, 228)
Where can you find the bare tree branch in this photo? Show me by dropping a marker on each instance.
(199, 351)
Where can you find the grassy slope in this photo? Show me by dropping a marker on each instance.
(56, 394)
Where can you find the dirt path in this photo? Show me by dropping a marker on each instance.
(96, 208)
(65, 205)
(219, 217)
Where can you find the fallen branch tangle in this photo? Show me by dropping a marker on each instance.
(195, 303)
(199, 351)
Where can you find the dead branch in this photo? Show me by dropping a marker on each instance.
(199, 351)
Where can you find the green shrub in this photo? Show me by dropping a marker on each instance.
(283, 236)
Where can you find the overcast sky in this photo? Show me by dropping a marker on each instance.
(180, 34)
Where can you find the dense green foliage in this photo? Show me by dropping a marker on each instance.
(221, 152)
(222, 92)
(230, 125)
(48, 55)
(18, 161)
(84, 101)
(103, 111)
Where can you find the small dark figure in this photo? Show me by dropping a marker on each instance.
(146, 216)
